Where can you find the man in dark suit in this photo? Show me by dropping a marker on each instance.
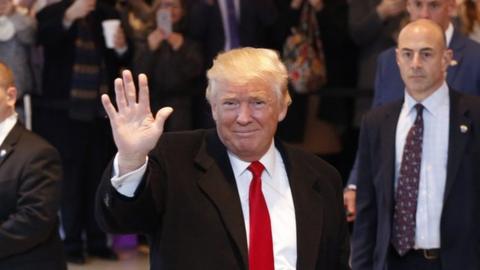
(78, 69)
(194, 195)
(418, 191)
(30, 174)
(463, 73)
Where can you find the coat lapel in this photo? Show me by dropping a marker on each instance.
(219, 185)
(9, 143)
(387, 136)
(309, 207)
(459, 133)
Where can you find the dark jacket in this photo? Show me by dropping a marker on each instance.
(459, 233)
(30, 175)
(188, 205)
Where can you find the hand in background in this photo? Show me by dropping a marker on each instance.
(155, 38)
(175, 40)
(316, 4)
(6, 7)
(135, 130)
(79, 9)
(390, 8)
(349, 203)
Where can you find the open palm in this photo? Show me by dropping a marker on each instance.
(135, 130)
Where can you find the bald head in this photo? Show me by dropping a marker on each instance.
(426, 28)
(422, 57)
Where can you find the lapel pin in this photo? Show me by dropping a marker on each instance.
(453, 63)
(463, 128)
(3, 152)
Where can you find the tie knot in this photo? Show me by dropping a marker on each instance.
(419, 107)
(256, 168)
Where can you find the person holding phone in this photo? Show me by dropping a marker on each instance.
(172, 61)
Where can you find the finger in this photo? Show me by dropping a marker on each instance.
(120, 95)
(162, 116)
(108, 106)
(143, 93)
(351, 218)
(129, 85)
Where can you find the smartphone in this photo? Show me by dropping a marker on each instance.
(164, 21)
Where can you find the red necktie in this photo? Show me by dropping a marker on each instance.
(260, 254)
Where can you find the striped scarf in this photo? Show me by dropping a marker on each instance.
(88, 75)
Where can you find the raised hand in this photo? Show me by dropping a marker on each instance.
(79, 9)
(390, 8)
(135, 130)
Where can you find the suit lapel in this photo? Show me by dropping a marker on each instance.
(457, 45)
(219, 185)
(460, 128)
(387, 136)
(9, 143)
(309, 207)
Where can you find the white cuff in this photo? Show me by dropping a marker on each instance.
(351, 187)
(128, 183)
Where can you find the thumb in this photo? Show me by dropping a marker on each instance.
(162, 116)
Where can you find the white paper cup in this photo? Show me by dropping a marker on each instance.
(110, 27)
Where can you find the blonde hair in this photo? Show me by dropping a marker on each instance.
(249, 65)
(6, 76)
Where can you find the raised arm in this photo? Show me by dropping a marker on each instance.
(135, 129)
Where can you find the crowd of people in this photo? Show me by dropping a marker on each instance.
(188, 190)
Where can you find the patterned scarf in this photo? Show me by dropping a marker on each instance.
(88, 74)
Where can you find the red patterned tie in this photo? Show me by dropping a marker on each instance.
(260, 253)
(406, 195)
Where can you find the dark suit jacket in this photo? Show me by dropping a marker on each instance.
(464, 75)
(459, 232)
(30, 173)
(206, 25)
(188, 204)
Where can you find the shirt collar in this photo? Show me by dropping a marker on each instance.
(268, 160)
(7, 125)
(433, 103)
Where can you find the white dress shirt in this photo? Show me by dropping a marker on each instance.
(6, 126)
(433, 171)
(276, 190)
